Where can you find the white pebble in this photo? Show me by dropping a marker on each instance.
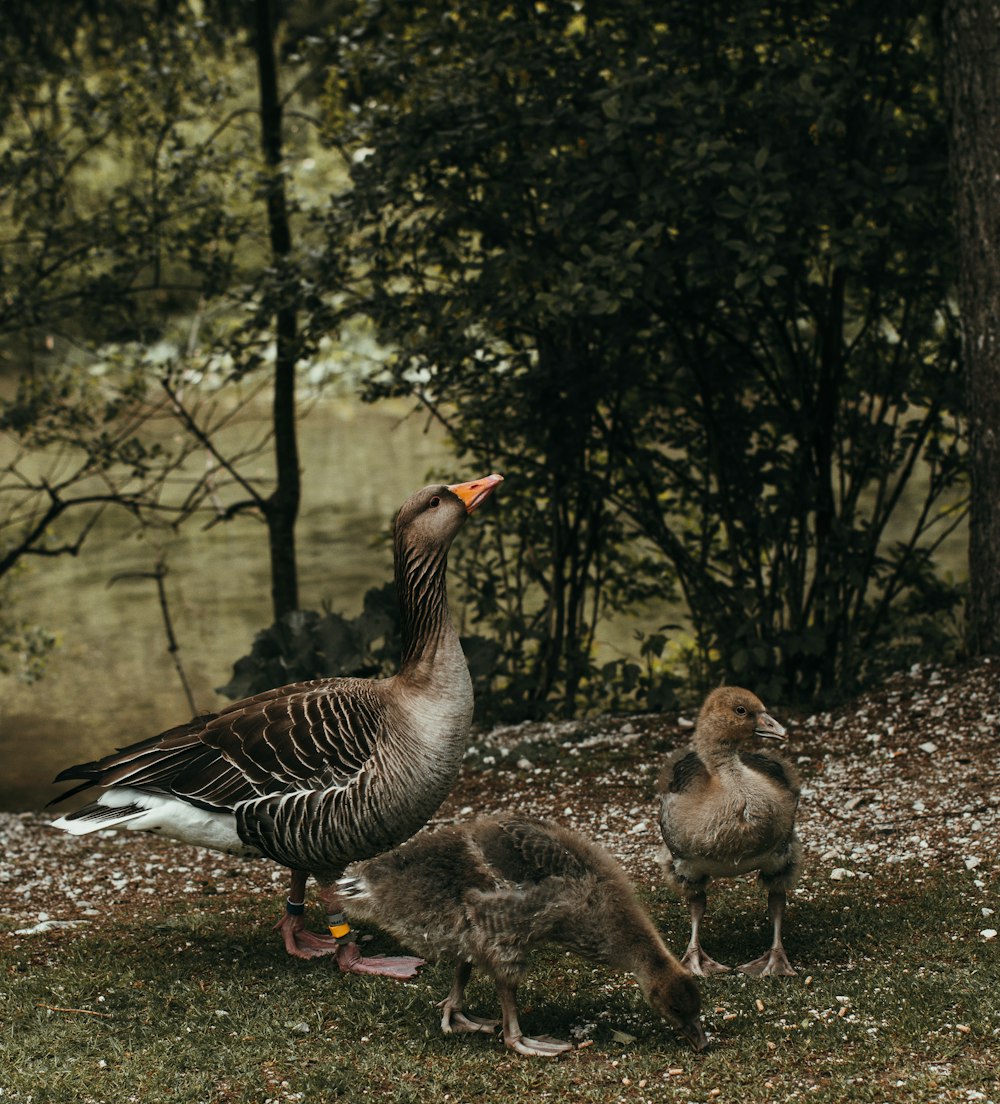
(989, 933)
(839, 873)
(930, 747)
(48, 925)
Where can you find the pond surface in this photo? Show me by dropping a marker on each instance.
(111, 681)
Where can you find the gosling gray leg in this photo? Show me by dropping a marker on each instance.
(543, 1046)
(695, 958)
(454, 1019)
(774, 961)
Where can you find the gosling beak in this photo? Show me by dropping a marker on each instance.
(768, 727)
(695, 1034)
(475, 492)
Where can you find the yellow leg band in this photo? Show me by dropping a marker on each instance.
(338, 931)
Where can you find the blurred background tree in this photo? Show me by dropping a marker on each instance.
(687, 270)
(684, 273)
(150, 283)
(972, 85)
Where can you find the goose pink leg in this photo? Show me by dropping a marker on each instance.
(302, 943)
(299, 941)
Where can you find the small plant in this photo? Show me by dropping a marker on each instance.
(305, 644)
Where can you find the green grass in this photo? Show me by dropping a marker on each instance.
(198, 1003)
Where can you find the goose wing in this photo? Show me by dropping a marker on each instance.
(309, 735)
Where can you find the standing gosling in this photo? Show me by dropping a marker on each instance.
(727, 808)
(483, 894)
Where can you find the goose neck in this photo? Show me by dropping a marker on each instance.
(423, 600)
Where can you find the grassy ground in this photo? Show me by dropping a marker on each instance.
(898, 998)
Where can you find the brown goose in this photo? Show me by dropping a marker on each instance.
(317, 774)
(728, 808)
(483, 894)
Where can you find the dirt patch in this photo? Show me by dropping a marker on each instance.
(907, 773)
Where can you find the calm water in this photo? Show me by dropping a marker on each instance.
(111, 680)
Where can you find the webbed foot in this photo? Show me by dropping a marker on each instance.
(457, 1022)
(302, 943)
(772, 963)
(541, 1046)
(400, 968)
(701, 965)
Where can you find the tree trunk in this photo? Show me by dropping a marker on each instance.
(972, 88)
(282, 507)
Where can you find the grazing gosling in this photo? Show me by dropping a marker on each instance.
(727, 808)
(483, 894)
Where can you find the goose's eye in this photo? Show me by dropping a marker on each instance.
(435, 501)
(741, 711)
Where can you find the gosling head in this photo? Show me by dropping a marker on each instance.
(732, 717)
(674, 996)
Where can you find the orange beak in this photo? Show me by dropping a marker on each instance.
(476, 492)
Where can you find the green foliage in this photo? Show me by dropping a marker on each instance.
(305, 645)
(681, 272)
(124, 201)
(117, 173)
(684, 275)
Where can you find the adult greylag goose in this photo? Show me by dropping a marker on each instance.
(727, 807)
(484, 893)
(315, 775)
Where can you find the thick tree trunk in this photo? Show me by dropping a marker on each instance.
(972, 85)
(282, 507)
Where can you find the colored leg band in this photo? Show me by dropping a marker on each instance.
(294, 909)
(338, 925)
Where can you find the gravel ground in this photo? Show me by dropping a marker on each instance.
(905, 774)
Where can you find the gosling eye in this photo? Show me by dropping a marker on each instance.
(436, 501)
(741, 711)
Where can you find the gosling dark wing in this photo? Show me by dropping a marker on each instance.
(507, 915)
(677, 785)
(774, 767)
(680, 772)
(539, 851)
